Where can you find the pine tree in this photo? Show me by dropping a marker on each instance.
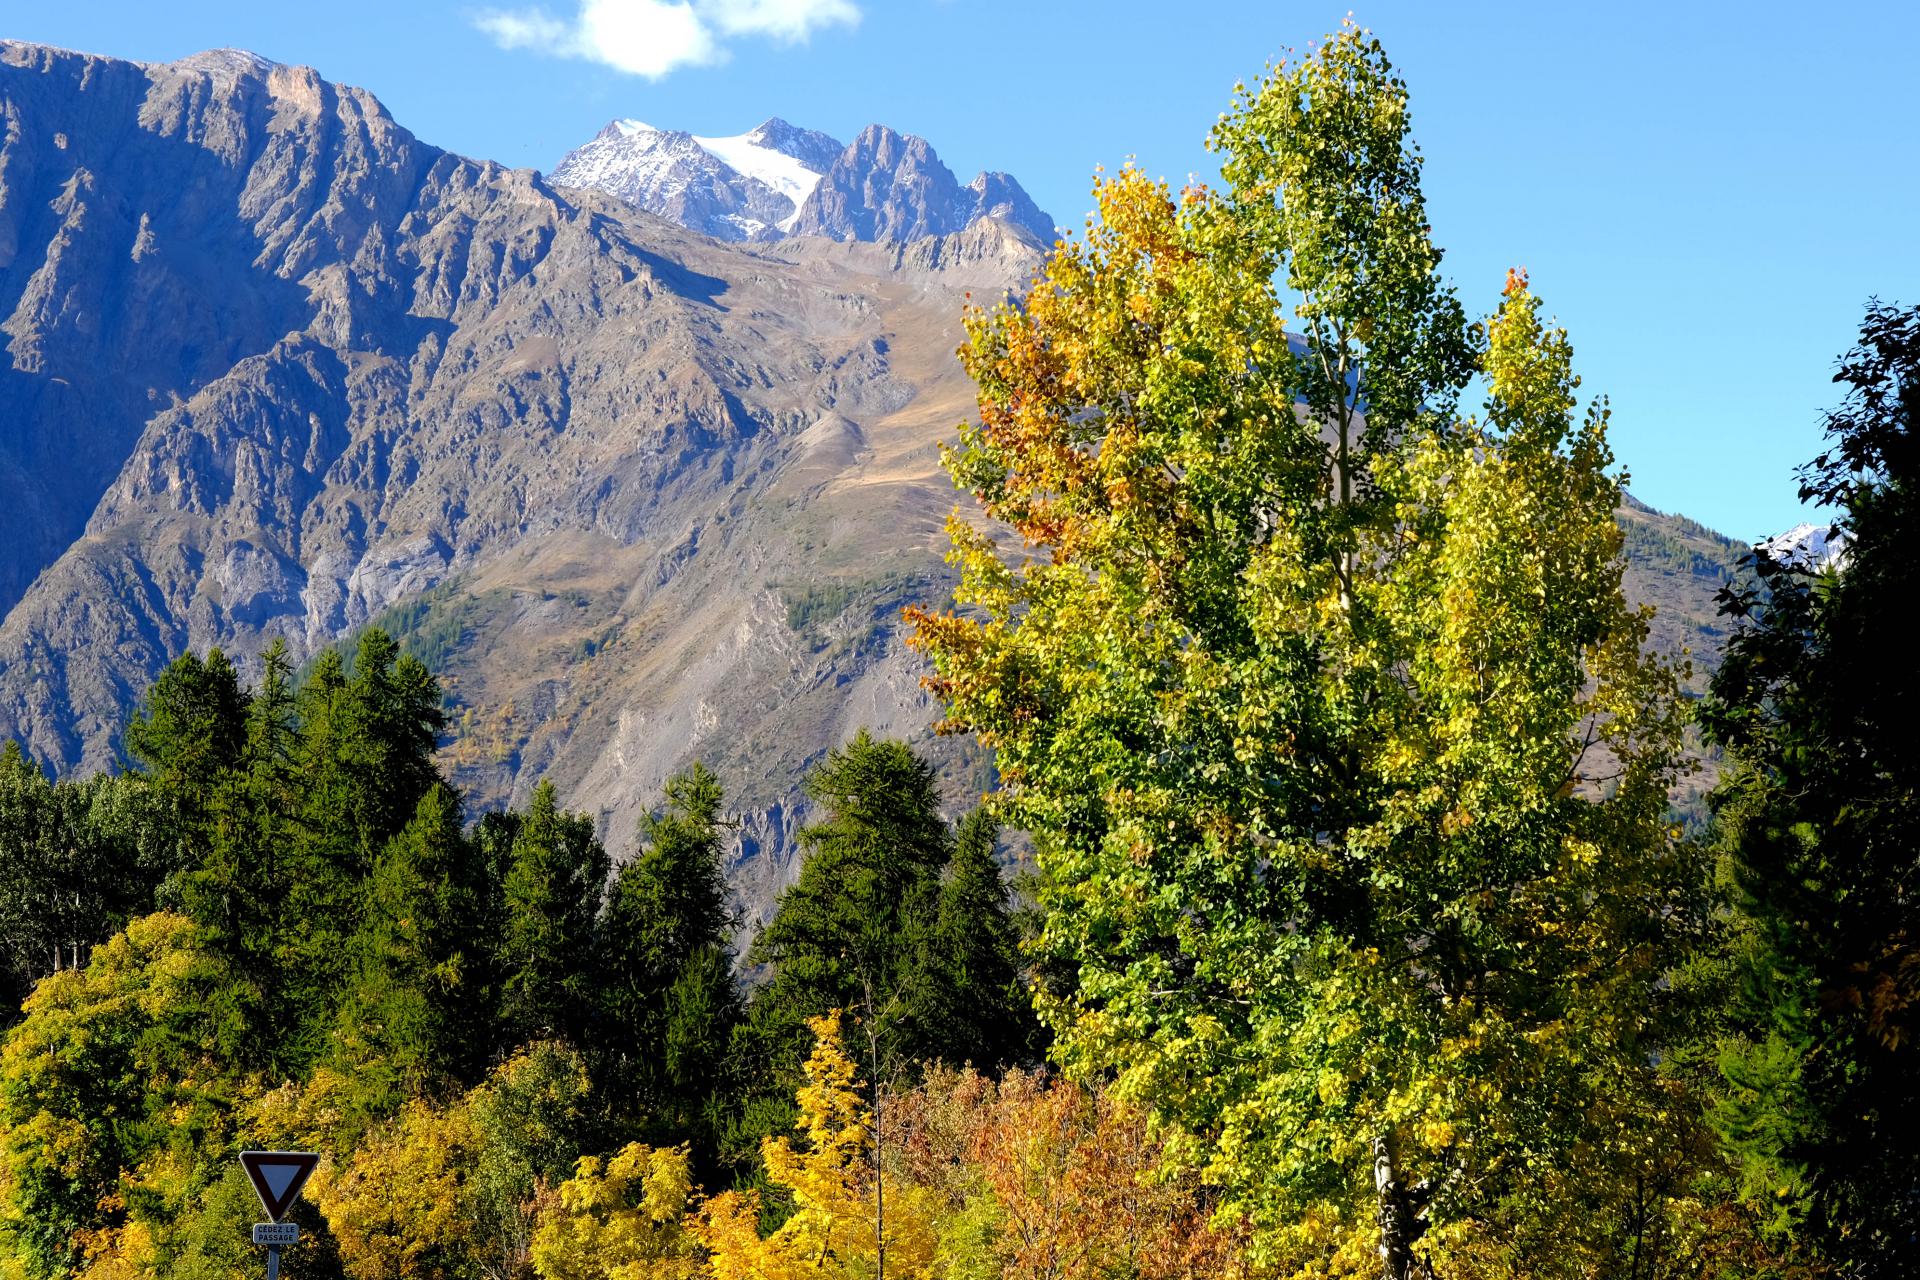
(1820, 819)
(700, 1012)
(974, 1004)
(396, 717)
(851, 932)
(364, 760)
(236, 888)
(187, 737)
(190, 728)
(665, 996)
(551, 901)
(408, 1021)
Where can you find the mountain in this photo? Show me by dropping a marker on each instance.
(1811, 546)
(1679, 566)
(272, 367)
(748, 187)
(780, 180)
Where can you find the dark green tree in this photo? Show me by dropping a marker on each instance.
(492, 837)
(235, 884)
(187, 737)
(77, 860)
(852, 932)
(703, 1008)
(970, 998)
(407, 1025)
(550, 904)
(665, 997)
(190, 728)
(1821, 826)
(363, 762)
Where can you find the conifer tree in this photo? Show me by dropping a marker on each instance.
(408, 1022)
(1820, 819)
(974, 1002)
(190, 728)
(664, 991)
(364, 760)
(851, 932)
(550, 903)
(235, 888)
(324, 864)
(187, 736)
(702, 1009)
(396, 719)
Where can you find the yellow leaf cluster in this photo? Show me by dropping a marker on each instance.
(837, 1228)
(395, 1206)
(621, 1218)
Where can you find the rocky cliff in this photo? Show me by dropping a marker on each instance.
(274, 367)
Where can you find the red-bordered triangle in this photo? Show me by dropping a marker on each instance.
(277, 1177)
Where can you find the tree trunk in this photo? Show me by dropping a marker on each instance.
(1398, 1217)
(879, 1183)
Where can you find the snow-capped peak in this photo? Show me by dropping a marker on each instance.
(778, 180)
(748, 154)
(747, 186)
(1810, 546)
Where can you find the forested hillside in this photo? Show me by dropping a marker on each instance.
(282, 928)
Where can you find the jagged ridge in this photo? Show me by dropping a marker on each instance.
(273, 368)
(779, 180)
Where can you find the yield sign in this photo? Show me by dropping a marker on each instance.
(277, 1177)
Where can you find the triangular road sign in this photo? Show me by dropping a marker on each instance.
(277, 1177)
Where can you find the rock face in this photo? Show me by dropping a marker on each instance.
(781, 180)
(275, 368)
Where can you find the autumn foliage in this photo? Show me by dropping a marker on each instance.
(1345, 765)
(1028, 1176)
(1362, 938)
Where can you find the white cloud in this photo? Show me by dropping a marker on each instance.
(653, 37)
(782, 19)
(525, 29)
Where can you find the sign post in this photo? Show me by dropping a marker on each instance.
(277, 1177)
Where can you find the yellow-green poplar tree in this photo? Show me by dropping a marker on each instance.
(113, 1101)
(1346, 774)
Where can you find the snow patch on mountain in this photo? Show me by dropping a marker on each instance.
(747, 155)
(779, 180)
(1810, 546)
(628, 158)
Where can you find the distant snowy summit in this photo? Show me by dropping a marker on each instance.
(780, 180)
(1810, 546)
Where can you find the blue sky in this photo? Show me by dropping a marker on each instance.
(1705, 195)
